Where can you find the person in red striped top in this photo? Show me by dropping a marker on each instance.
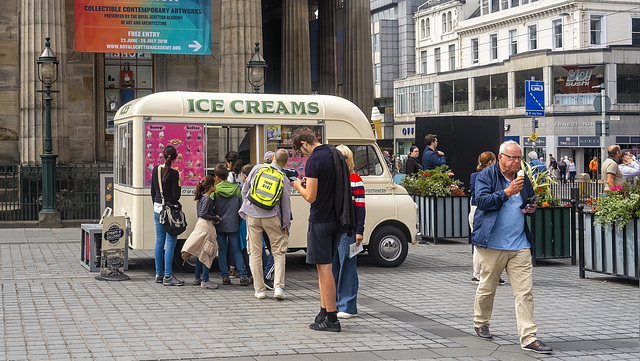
(345, 270)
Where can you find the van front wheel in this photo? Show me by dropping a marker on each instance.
(388, 247)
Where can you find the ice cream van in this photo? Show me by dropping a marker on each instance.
(205, 126)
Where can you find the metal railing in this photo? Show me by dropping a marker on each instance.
(586, 190)
(77, 191)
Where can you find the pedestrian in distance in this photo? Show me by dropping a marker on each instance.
(535, 163)
(432, 157)
(327, 188)
(629, 166)
(553, 167)
(202, 241)
(227, 198)
(593, 168)
(611, 173)
(504, 195)
(165, 243)
(413, 164)
(571, 168)
(485, 159)
(345, 271)
(562, 169)
(270, 213)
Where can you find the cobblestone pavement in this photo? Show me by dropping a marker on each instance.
(53, 308)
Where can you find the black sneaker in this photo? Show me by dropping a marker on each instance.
(502, 282)
(159, 278)
(321, 316)
(483, 332)
(226, 281)
(172, 281)
(326, 325)
(269, 284)
(475, 281)
(538, 346)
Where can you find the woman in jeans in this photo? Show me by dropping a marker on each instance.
(165, 243)
(571, 167)
(344, 267)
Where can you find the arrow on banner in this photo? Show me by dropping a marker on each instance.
(196, 46)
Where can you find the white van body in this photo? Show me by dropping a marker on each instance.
(391, 219)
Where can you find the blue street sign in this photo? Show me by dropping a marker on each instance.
(534, 98)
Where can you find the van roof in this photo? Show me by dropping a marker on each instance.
(252, 108)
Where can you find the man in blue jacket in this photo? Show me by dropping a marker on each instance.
(432, 157)
(503, 241)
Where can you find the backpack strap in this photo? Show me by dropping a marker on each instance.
(160, 182)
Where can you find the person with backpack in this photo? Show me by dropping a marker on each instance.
(228, 200)
(266, 207)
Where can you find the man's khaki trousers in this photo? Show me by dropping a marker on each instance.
(519, 270)
(279, 243)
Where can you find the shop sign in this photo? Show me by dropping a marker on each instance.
(567, 141)
(540, 142)
(589, 142)
(408, 131)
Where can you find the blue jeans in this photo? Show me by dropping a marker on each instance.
(230, 242)
(161, 252)
(202, 269)
(345, 273)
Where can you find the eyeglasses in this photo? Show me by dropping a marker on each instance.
(513, 157)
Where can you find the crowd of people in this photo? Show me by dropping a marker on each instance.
(244, 210)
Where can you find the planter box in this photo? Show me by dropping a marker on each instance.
(608, 249)
(551, 228)
(443, 217)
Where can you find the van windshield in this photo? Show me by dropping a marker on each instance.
(366, 161)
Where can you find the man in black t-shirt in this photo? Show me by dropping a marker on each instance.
(324, 231)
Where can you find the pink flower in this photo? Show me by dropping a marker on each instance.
(450, 174)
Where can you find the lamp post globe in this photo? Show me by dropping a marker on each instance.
(48, 74)
(257, 69)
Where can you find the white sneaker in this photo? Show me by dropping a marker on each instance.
(260, 295)
(278, 293)
(346, 315)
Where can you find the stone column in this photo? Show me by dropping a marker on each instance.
(296, 54)
(327, 69)
(39, 19)
(358, 68)
(240, 29)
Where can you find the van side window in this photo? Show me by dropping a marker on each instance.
(366, 161)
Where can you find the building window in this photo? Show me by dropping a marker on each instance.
(436, 56)
(414, 99)
(491, 92)
(515, 3)
(400, 104)
(460, 95)
(495, 6)
(474, 51)
(573, 85)
(484, 7)
(428, 27)
(513, 42)
(376, 74)
(628, 83)
(423, 29)
(635, 31)
(595, 30)
(452, 57)
(427, 97)
(375, 40)
(505, 4)
(449, 22)
(423, 61)
(446, 96)
(127, 77)
(557, 33)
(533, 37)
(520, 77)
(493, 42)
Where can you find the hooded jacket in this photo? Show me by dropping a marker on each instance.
(490, 196)
(227, 200)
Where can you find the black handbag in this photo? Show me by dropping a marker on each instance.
(171, 217)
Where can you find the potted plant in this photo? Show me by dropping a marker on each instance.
(611, 230)
(552, 223)
(443, 207)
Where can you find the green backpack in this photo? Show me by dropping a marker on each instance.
(267, 188)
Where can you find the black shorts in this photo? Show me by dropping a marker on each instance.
(322, 242)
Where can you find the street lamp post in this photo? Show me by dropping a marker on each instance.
(48, 74)
(257, 70)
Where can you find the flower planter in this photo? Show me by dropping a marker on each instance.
(443, 217)
(609, 249)
(551, 228)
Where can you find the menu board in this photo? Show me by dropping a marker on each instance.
(297, 161)
(188, 139)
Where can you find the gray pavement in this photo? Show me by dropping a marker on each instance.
(53, 308)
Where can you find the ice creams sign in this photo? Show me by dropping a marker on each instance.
(239, 106)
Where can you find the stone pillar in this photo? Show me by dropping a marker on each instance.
(240, 29)
(296, 54)
(358, 68)
(39, 19)
(327, 69)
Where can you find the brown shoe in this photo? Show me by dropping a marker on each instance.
(483, 332)
(538, 346)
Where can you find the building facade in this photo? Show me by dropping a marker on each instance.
(90, 90)
(478, 64)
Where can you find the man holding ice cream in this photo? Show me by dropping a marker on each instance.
(504, 196)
